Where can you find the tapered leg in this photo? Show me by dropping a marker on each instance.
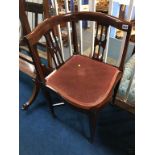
(49, 100)
(35, 92)
(92, 124)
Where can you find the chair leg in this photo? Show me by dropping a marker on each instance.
(49, 100)
(35, 92)
(92, 124)
(115, 92)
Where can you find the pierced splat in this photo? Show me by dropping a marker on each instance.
(53, 48)
(100, 41)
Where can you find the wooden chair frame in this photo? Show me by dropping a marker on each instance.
(46, 28)
(25, 62)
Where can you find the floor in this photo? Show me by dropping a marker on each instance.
(41, 134)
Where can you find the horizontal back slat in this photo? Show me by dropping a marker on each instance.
(34, 7)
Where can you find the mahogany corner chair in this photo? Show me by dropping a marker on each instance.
(86, 83)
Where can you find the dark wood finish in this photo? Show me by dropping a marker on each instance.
(23, 18)
(115, 92)
(46, 9)
(68, 78)
(35, 92)
(74, 36)
(54, 49)
(33, 8)
(99, 41)
(49, 100)
(125, 51)
(55, 20)
(107, 20)
(25, 62)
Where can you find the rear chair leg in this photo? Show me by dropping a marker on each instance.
(35, 92)
(115, 92)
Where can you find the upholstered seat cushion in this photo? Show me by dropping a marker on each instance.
(84, 82)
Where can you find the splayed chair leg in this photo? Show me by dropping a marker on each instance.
(35, 92)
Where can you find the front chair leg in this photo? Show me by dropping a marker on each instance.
(92, 124)
(35, 92)
(49, 100)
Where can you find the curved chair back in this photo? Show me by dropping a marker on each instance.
(46, 29)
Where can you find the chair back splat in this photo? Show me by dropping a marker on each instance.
(85, 83)
(99, 42)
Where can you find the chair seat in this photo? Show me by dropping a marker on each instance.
(83, 82)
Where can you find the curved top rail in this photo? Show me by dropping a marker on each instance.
(101, 18)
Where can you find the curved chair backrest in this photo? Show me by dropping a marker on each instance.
(46, 29)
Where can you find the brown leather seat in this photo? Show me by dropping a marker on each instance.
(84, 82)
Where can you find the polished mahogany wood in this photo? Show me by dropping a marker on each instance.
(35, 92)
(94, 93)
(99, 41)
(25, 62)
(33, 8)
(107, 21)
(54, 49)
